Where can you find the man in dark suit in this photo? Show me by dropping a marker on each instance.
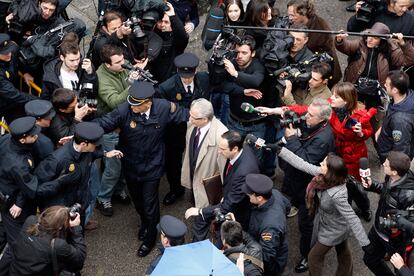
(182, 89)
(241, 161)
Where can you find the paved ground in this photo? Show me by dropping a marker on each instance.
(112, 247)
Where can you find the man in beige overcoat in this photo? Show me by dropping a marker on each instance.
(201, 159)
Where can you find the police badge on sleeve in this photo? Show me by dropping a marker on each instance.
(396, 135)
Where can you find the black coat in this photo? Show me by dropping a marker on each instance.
(62, 125)
(235, 200)
(268, 226)
(32, 254)
(66, 158)
(313, 146)
(51, 80)
(173, 44)
(142, 142)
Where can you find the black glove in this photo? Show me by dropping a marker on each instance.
(273, 147)
(369, 249)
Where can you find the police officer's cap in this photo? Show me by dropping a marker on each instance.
(40, 109)
(140, 92)
(23, 127)
(89, 132)
(172, 227)
(258, 184)
(5, 43)
(186, 64)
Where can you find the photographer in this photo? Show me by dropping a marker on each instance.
(49, 244)
(66, 71)
(268, 224)
(236, 246)
(396, 193)
(114, 32)
(303, 12)
(396, 16)
(370, 59)
(318, 87)
(174, 42)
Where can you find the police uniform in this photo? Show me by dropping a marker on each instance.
(172, 228)
(17, 183)
(173, 90)
(268, 223)
(68, 159)
(142, 141)
(11, 99)
(41, 109)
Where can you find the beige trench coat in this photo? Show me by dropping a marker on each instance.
(208, 163)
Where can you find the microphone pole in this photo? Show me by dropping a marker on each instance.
(316, 31)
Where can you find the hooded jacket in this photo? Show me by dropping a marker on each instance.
(397, 131)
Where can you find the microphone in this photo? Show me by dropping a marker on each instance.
(247, 107)
(258, 142)
(212, 27)
(364, 171)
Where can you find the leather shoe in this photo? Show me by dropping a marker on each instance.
(142, 233)
(143, 250)
(171, 197)
(302, 266)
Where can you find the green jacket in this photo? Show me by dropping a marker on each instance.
(113, 89)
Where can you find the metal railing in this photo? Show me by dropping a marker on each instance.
(31, 86)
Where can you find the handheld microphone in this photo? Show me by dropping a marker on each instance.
(364, 171)
(212, 27)
(246, 107)
(258, 142)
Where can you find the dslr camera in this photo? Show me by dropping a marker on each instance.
(368, 9)
(75, 208)
(87, 96)
(402, 220)
(220, 217)
(291, 117)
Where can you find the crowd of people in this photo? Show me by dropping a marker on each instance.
(107, 126)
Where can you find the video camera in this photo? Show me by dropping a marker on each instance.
(368, 9)
(402, 220)
(224, 47)
(301, 72)
(87, 96)
(220, 217)
(291, 117)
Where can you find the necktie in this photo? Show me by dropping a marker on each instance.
(144, 117)
(189, 89)
(229, 167)
(196, 140)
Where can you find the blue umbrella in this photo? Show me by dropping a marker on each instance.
(195, 259)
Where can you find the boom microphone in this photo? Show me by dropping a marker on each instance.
(212, 28)
(364, 171)
(258, 142)
(247, 107)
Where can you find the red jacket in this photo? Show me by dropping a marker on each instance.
(348, 144)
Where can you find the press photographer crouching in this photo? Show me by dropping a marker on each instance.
(49, 244)
(396, 193)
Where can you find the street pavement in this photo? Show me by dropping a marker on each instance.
(112, 247)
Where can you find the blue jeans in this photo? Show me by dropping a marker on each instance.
(221, 105)
(257, 130)
(93, 191)
(112, 180)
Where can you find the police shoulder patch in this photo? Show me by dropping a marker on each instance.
(267, 236)
(396, 135)
(173, 107)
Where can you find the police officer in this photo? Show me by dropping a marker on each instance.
(143, 121)
(172, 233)
(182, 88)
(43, 111)
(79, 154)
(268, 222)
(11, 99)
